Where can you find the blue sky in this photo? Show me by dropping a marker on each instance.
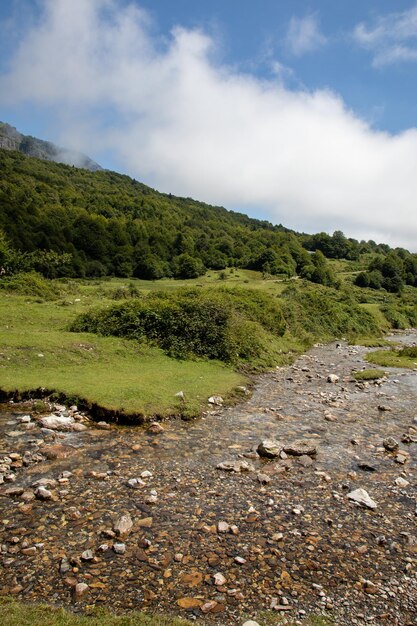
(302, 113)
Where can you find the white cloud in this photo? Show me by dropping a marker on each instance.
(186, 125)
(304, 35)
(391, 38)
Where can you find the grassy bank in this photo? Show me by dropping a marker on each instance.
(13, 613)
(231, 322)
(37, 351)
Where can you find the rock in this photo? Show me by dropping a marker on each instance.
(305, 461)
(300, 448)
(390, 444)
(119, 548)
(216, 400)
(45, 482)
(269, 448)
(402, 457)
(155, 428)
(103, 426)
(87, 555)
(250, 622)
(223, 527)
(57, 451)
(264, 479)
(236, 466)
(219, 579)
(57, 422)
(146, 474)
(332, 378)
(135, 483)
(123, 525)
(401, 482)
(43, 494)
(64, 566)
(14, 492)
(383, 407)
(362, 497)
(240, 560)
(80, 590)
(24, 419)
(189, 603)
(209, 606)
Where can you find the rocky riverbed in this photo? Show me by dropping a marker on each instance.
(188, 518)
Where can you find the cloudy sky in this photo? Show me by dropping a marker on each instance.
(303, 113)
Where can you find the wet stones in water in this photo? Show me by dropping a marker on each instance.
(361, 497)
(123, 525)
(236, 466)
(61, 422)
(365, 466)
(269, 448)
(80, 589)
(333, 378)
(390, 444)
(300, 448)
(155, 428)
(43, 494)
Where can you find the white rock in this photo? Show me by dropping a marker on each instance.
(362, 497)
(401, 482)
(332, 378)
(123, 525)
(119, 548)
(219, 579)
(250, 622)
(146, 474)
(216, 400)
(57, 422)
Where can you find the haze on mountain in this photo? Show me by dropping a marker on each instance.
(12, 139)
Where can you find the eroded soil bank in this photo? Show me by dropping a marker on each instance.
(224, 546)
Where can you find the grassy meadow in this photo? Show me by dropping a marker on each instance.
(37, 349)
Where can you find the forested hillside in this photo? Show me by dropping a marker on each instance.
(65, 221)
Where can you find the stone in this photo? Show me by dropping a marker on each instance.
(64, 566)
(155, 428)
(236, 466)
(390, 444)
(269, 448)
(123, 525)
(80, 590)
(300, 448)
(402, 457)
(216, 400)
(135, 483)
(119, 548)
(360, 496)
(305, 461)
(332, 378)
(146, 474)
(87, 555)
(57, 422)
(43, 494)
(264, 479)
(401, 482)
(250, 622)
(219, 579)
(223, 527)
(190, 603)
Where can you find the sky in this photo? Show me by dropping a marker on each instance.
(302, 113)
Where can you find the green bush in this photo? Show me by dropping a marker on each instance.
(229, 325)
(373, 374)
(31, 284)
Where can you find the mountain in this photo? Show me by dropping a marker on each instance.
(11, 139)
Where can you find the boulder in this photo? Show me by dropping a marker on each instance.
(270, 448)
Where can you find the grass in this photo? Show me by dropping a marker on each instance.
(372, 342)
(14, 613)
(139, 378)
(111, 372)
(371, 374)
(392, 358)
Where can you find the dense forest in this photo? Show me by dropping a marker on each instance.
(65, 221)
